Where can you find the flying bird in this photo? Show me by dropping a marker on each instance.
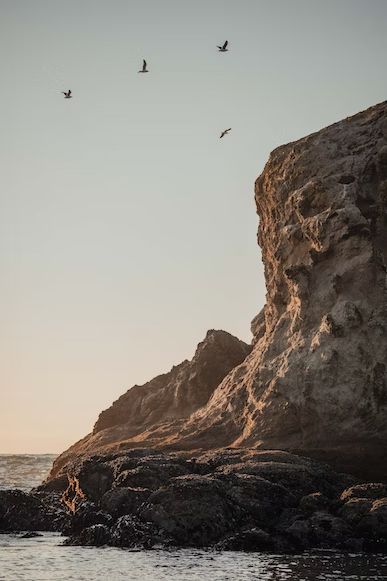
(225, 132)
(224, 47)
(67, 95)
(144, 69)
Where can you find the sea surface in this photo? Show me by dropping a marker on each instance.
(44, 558)
(24, 471)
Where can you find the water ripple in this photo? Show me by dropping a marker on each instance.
(24, 471)
(46, 559)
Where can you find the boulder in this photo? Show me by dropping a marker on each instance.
(125, 500)
(131, 532)
(374, 522)
(95, 535)
(371, 490)
(321, 530)
(193, 510)
(250, 539)
(315, 502)
(355, 509)
(149, 475)
(22, 511)
(87, 515)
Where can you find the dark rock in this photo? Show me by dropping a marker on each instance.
(58, 484)
(300, 478)
(328, 530)
(236, 499)
(251, 539)
(21, 511)
(30, 535)
(125, 500)
(193, 510)
(149, 476)
(367, 490)
(374, 523)
(314, 502)
(299, 534)
(87, 515)
(375, 545)
(354, 510)
(95, 478)
(321, 530)
(131, 532)
(95, 535)
(257, 499)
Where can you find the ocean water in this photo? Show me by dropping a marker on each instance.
(44, 558)
(24, 471)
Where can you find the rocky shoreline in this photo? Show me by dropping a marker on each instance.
(245, 500)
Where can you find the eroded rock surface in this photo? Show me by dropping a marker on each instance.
(316, 378)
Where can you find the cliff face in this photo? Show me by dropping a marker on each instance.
(316, 377)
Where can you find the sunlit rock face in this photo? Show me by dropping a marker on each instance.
(315, 380)
(316, 377)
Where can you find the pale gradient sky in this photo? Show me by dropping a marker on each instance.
(127, 228)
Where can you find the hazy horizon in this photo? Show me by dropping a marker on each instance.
(128, 229)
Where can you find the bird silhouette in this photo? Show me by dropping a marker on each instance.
(67, 95)
(224, 47)
(144, 69)
(225, 132)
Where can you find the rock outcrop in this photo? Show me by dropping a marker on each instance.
(162, 403)
(316, 378)
(231, 499)
(251, 500)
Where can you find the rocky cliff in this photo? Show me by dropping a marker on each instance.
(164, 402)
(316, 377)
(315, 380)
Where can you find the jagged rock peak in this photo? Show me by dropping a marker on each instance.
(183, 390)
(165, 400)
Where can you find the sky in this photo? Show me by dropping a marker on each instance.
(127, 228)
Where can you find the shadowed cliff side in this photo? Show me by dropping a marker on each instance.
(165, 400)
(315, 380)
